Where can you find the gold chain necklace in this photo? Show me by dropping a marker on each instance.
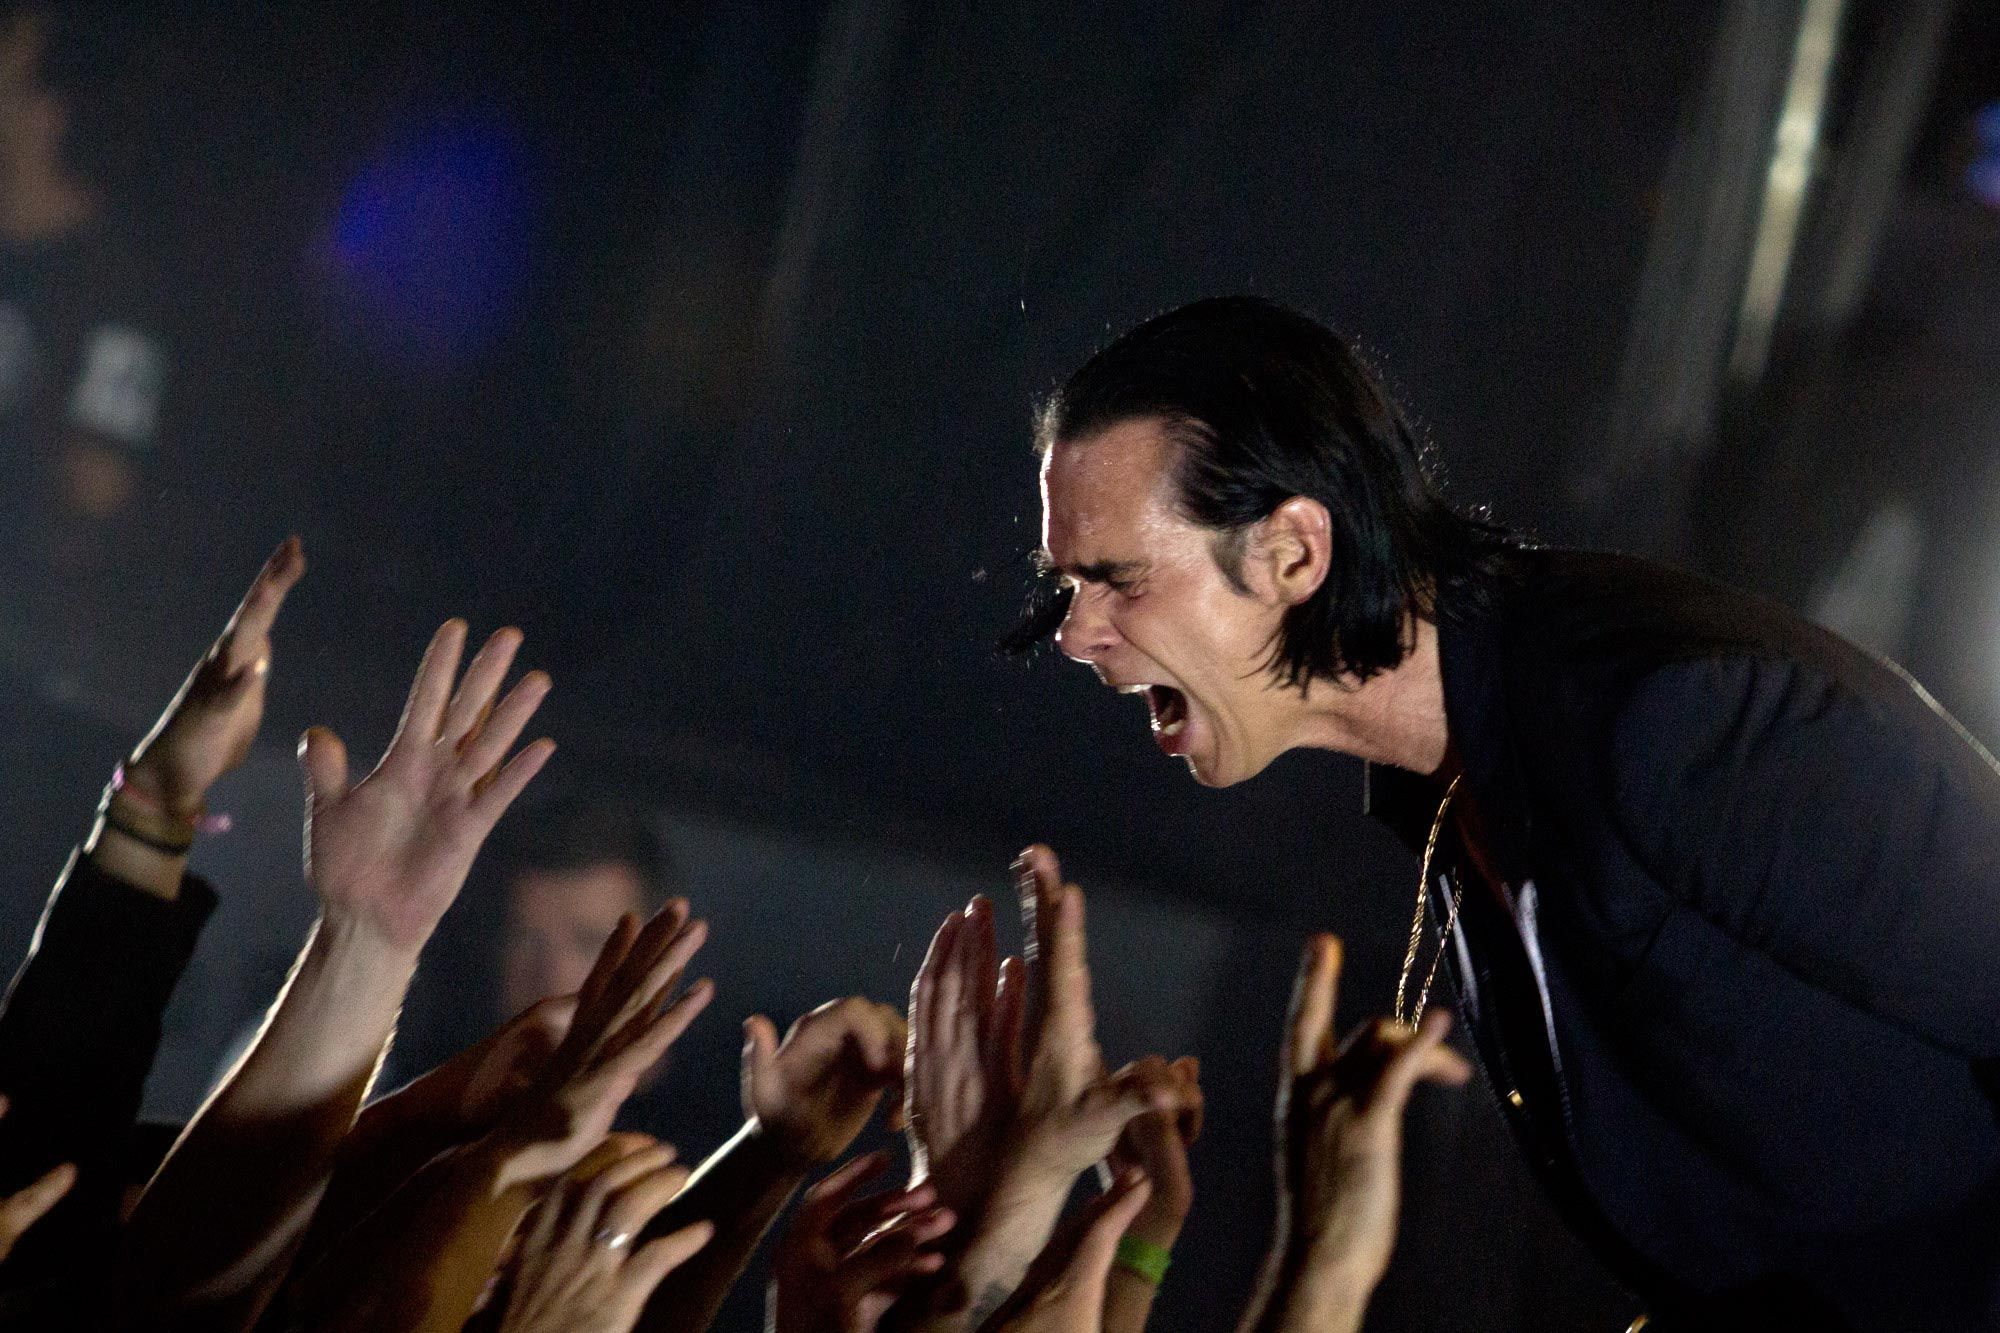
(1416, 1016)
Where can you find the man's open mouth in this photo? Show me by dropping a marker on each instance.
(1169, 709)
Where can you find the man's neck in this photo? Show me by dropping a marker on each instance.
(1394, 717)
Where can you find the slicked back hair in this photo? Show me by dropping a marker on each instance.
(1265, 404)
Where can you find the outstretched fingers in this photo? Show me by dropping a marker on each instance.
(479, 687)
(485, 748)
(492, 795)
(1309, 1026)
(1009, 1014)
(1069, 1013)
(590, 996)
(244, 640)
(423, 713)
(894, 1254)
(830, 1196)
(651, 1037)
(1424, 1058)
(655, 1259)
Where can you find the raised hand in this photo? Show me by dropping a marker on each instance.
(1070, 1112)
(848, 1257)
(1340, 1141)
(1157, 1143)
(578, 1270)
(389, 854)
(812, 1094)
(623, 1024)
(488, 1078)
(208, 728)
(24, 1208)
(962, 1067)
(1064, 1290)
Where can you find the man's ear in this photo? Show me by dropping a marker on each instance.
(1289, 552)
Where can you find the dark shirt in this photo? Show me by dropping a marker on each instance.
(1740, 998)
(78, 1033)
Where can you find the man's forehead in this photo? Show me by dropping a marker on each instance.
(1107, 483)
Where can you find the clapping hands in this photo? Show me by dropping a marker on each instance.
(1071, 1112)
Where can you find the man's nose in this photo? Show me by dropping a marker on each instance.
(1085, 633)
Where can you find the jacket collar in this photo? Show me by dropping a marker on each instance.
(1471, 662)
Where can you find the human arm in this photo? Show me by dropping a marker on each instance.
(1065, 1289)
(1155, 1144)
(385, 856)
(421, 1262)
(82, 1020)
(806, 1099)
(23, 1209)
(1339, 1153)
(1841, 826)
(847, 1257)
(578, 1270)
(395, 1136)
(1070, 1112)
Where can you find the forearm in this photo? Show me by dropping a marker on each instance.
(1128, 1295)
(1013, 1227)
(238, 1189)
(125, 858)
(741, 1189)
(1128, 1301)
(1307, 1293)
(392, 1140)
(78, 1035)
(422, 1261)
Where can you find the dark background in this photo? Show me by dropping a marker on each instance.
(701, 340)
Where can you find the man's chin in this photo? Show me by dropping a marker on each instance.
(1212, 771)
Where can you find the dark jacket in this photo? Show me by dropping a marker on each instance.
(78, 1033)
(1739, 989)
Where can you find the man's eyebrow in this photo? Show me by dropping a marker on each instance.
(1097, 571)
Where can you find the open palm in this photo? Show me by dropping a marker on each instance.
(390, 853)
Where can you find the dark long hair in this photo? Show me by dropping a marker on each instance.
(1265, 404)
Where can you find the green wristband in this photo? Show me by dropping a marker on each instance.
(1144, 1258)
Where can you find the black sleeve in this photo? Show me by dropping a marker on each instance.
(78, 1032)
(1849, 832)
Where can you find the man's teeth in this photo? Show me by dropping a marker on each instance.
(1174, 727)
(1134, 689)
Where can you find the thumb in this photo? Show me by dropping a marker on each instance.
(760, 1055)
(324, 760)
(1091, 1264)
(20, 1211)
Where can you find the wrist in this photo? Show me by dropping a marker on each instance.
(354, 933)
(1161, 1229)
(145, 785)
(131, 861)
(359, 955)
(1327, 1280)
